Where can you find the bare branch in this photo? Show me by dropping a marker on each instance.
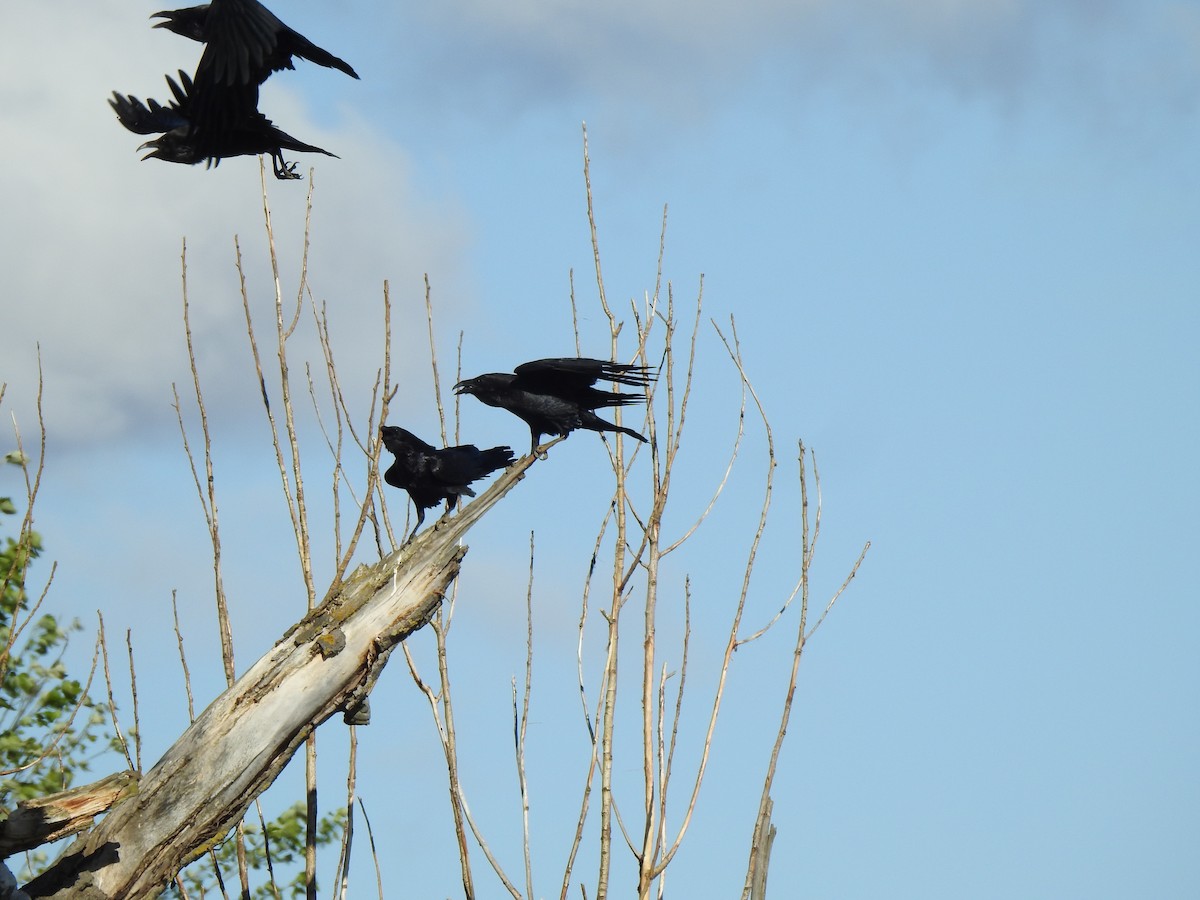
(343, 878)
(732, 642)
(374, 853)
(208, 496)
(64, 728)
(521, 723)
(187, 678)
(437, 381)
(112, 703)
(764, 832)
(137, 727)
(266, 836)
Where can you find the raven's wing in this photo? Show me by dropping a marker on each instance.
(459, 466)
(401, 440)
(221, 117)
(292, 43)
(578, 373)
(181, 91)
(269, 46)
(242, 35)
(152, 117)
(145, 118)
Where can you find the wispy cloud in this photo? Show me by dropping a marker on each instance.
(1086, 57)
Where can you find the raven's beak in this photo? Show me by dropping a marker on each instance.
(164, 14)
(461, 386)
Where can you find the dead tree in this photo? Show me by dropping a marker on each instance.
(324, 664)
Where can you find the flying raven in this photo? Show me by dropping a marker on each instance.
(207, 124)
(556, 396)
(215, 112)
(245, 41)
(431, 475)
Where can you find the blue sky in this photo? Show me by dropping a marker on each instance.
(959, 240)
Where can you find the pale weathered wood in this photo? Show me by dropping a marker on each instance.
(760, 851)
(239, 744)
(45, 819)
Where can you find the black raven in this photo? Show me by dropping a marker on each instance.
(431, 475)
(198, 127)
(556, 396)
(245, 41)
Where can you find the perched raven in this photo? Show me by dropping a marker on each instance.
(196, 128)
(431, 475)
(245, 41)
(555, 396)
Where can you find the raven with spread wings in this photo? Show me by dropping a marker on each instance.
(557, 396)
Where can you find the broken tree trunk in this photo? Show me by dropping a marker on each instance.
(326, 663)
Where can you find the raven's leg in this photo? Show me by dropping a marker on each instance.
(283, 171)
(543, 451)
(420, 518)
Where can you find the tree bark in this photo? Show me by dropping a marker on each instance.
(326, 663)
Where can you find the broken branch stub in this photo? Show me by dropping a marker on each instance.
(45, 819)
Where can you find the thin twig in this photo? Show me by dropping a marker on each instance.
(433, 364)
(267, 857)
(137, 728)
(374, 853)
(343, 880)
(187, 678)
(208, 502)
(65, 727)
(732, 642)
(112, 703)
(521, 723)
(763, 832)
(446, 735)
(23, 556)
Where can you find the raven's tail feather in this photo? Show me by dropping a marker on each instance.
(630, 432)
(496, 458)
